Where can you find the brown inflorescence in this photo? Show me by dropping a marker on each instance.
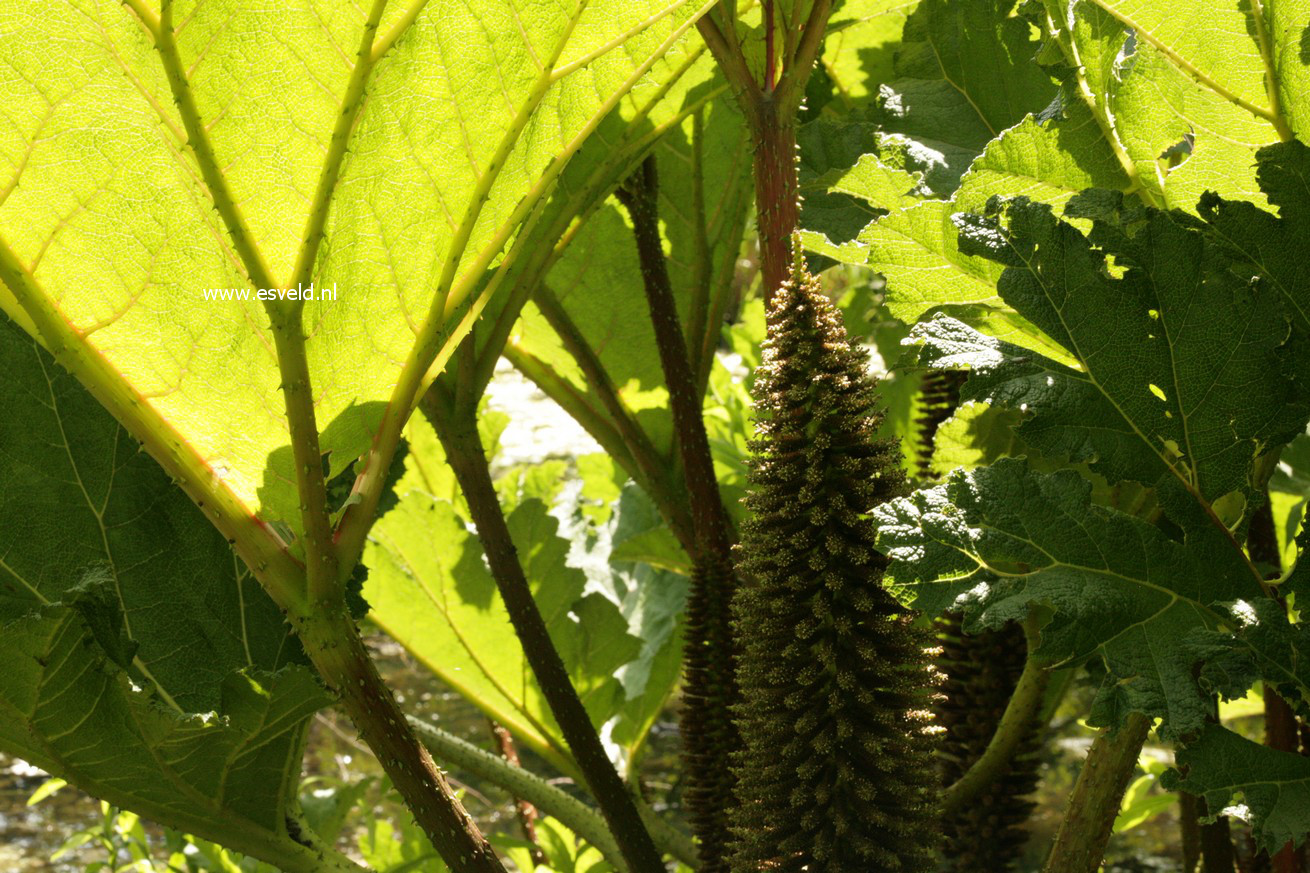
(980, 672)
(836, 770)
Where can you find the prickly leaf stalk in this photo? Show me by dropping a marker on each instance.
(980, 672)
(835, 772)
(710, 656)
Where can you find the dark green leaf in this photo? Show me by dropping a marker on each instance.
(1000, 539)
(139, 653)
(1179, 353)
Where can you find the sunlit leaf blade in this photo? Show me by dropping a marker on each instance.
(460, 130)
(1285, 23)
(1273, 245)
(124, 620)
(1047, 161)
(1213, 41)
(844, 183)
(862, 39)
(917, 250)
(1180, 355)
(976, 434)
(964, 73)
(1177, 91)
(1004, 538)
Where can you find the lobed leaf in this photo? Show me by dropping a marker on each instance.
(143, 662)
(1182, 367)
(1269, 788)
(998, 540)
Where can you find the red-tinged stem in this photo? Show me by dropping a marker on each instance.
(770, 109)
(709, 731)
(777, 194)
(526, 811)
(457, 427)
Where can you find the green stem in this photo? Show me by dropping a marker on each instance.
(732, 62)
(1217, 845)
(198, 138)
(577, 816)
(320, 552)
(672, 840)
(1020, 714)
(332, 643)
(457, 427)
(312, 237)
(1089, 817)
(1189, 820)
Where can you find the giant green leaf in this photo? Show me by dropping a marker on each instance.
(964, 73)
(1175, 622)
(844, 183)
(1000, 539)
(142, 661)
(391, 152)
(1181, 358)
(1186, 374)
